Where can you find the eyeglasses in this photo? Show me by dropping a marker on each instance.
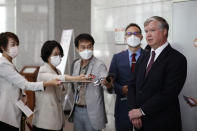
(132, 33)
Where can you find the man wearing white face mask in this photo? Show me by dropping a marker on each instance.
(122, 66)
(88, 111)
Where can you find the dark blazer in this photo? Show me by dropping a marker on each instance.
(157, 94)
(121, 69)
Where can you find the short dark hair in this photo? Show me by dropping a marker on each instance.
(163, 24)
(133, 24)
(83, 37)
(4, 37)
(47, 49)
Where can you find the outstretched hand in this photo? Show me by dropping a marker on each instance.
(81, 77)
(24, 99)
(194, 103)
(54, 82)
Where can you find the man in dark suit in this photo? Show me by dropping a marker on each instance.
(122, 66)
(159, 77)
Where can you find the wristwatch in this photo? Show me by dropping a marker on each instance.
(143, 114)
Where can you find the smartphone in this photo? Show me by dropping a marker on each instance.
(188, 100)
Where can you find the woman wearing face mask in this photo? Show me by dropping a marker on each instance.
(48, 112)
(12, 83)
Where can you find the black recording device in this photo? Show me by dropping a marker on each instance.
(110, 75)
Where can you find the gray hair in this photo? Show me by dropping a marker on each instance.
(163, 24)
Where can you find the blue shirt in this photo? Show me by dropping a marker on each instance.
(136, 57)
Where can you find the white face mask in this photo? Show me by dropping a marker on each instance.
(55, 60)
(86, 54)
(12, 51)
(133, 41)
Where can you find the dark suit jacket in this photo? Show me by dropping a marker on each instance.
(157, 94)
(121, 69)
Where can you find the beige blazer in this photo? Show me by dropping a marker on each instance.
(48, 111)
(10, 92)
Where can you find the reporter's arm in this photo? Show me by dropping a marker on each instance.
(8, 72)
(80, 77)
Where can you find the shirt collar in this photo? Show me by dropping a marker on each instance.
(6, 60)
(137, 52)
(159, 50)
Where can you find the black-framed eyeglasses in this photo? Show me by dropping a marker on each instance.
(132, 33)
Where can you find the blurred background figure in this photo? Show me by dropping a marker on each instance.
(195, 42)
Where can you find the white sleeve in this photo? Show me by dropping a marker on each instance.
(10, 74)
(45, 76)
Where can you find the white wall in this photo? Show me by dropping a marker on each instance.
(72, 14)
(184, 33)
(33, 22)
(35, 25)
(8, 17)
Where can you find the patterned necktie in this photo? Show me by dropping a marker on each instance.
(150, 63)
(133, 62)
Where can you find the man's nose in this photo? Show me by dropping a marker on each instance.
(148, 34)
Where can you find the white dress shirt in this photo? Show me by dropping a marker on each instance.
(157, 52)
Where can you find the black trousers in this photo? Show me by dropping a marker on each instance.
(40, 129)
(123, 125)
(7, 127)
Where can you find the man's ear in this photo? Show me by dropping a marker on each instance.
(165, 32)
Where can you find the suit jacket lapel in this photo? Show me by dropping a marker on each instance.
(47, 66)
(162, 55)
(76, 68)
(159, 59)
(91, 65)
(126, 58)
(144, 65)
